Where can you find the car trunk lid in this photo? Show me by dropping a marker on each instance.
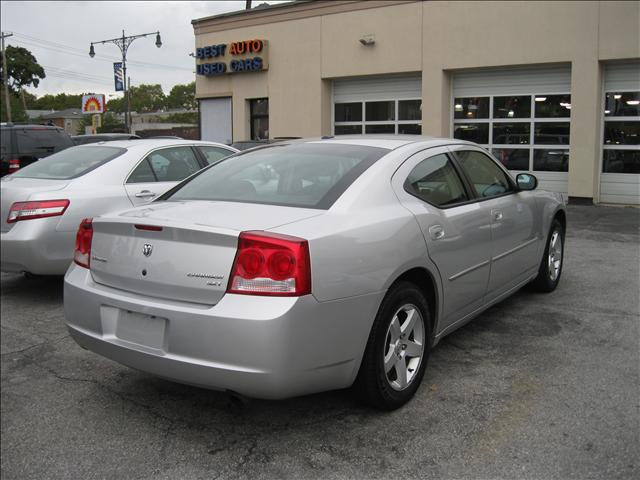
(178, 250)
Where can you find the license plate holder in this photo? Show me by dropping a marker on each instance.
(142, 329)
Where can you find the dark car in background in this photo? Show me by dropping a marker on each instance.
(102, 137)
(21, 145)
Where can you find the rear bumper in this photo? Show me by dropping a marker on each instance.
(36, 246)
(265, 347)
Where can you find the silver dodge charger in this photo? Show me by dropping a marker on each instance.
(312, 265)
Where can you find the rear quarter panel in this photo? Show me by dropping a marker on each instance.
(361, 253)
(367, 239)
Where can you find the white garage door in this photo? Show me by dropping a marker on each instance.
(620, 177)
(521, 115)
(380, 104)
(215, 120)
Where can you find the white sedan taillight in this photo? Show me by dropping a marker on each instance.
(37, 209)
(82, 252)
(271, 264)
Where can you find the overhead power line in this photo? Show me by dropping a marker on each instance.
(82, 80)
(80, 75)
(69, 50)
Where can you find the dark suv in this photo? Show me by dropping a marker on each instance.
(21, 145)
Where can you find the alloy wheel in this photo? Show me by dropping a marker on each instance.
(404, 347)
(555, 255)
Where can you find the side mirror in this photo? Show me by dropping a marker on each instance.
(526, 181)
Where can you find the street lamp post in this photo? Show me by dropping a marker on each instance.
(123, 44)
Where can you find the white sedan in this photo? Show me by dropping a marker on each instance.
(43, 203)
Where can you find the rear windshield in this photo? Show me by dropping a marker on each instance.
(36, 141)
(311, 175)
(70, 163)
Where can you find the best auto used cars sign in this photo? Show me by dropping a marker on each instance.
(234, 57)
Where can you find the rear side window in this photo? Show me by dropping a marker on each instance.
(311, 175)
(43, 141)
(486, 177)
(142, 173)
(70, 163)
(166, 165)
(436, 181)
(214, 154)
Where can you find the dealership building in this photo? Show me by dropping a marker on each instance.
(549, 87)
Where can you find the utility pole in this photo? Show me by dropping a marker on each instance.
(7, 98)
(123, 44)
(128, 100)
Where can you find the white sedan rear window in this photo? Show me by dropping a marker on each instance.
(70, 163)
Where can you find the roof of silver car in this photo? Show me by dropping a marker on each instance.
(387, 141)
(151, 142)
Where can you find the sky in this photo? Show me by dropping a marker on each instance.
(58, 34)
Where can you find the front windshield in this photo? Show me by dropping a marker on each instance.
(70, 163)
(311, 175)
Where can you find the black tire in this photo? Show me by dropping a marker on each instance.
(372, 383)
(545, 282)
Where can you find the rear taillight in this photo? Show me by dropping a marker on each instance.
(14, 165)
(38, 209)
(82, 252)
(271, 264)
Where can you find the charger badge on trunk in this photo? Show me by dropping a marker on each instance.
(147, 249)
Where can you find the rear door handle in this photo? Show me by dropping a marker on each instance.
(436, 232)
(497, 215)
(145, 194)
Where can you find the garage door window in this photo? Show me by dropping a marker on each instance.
(384, 116)
(621, 133)
(525, 132)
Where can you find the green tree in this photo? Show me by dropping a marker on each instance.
(183, 96)
(28, 99)
(23, 69)
(182, 117)
(61, 101)
(147, 98)
(116, 105)
(18, 113)
(85, 122)
(110, 124)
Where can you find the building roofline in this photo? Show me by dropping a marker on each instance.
(252, 11)
(293, 10)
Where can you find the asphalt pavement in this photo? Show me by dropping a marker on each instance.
(538, 387)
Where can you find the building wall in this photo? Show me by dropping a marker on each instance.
(293, 82)
(311, 44)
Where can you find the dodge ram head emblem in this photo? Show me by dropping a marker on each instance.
(147, 249)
